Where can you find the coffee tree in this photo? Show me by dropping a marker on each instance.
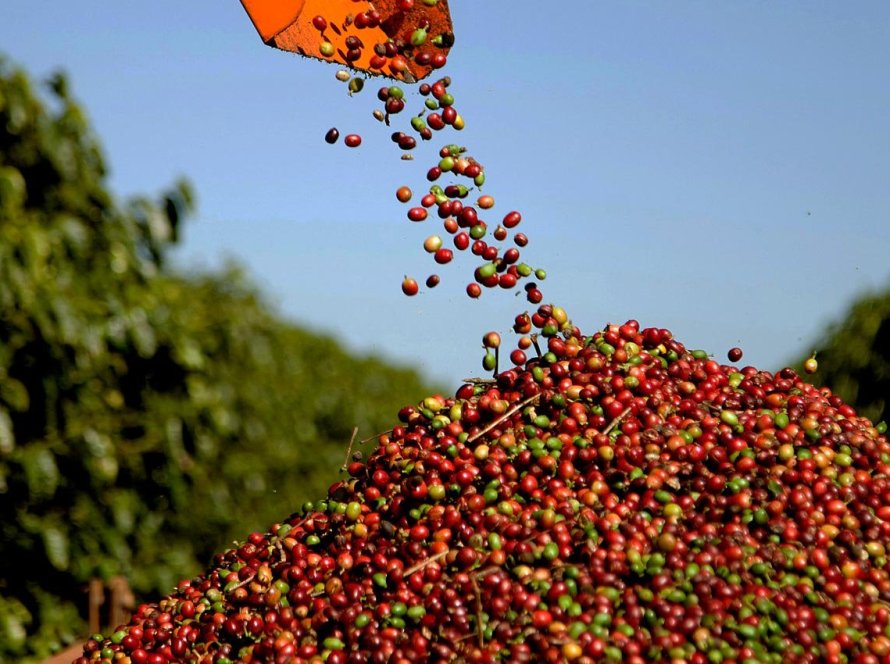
(143, 413)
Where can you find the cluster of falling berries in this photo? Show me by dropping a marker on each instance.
(497, 245)
(613, 498)
(464, 224)
(453, 178)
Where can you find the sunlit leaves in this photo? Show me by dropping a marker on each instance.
(147, 418)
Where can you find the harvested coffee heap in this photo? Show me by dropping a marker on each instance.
(615, 498)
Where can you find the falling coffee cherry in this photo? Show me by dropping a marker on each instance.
(443, 256)
(490, 361)
(734, 354)
(410, 287)
(332, 135)
(432, 281)
(417, 214)
(352, 140)
(432, 244)
(491, 340)
(534, 295)
(810, 365)
(512, 219)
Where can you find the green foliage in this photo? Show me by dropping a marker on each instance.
(854, 357)
(146, 418)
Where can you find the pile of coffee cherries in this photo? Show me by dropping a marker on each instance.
(613, 497)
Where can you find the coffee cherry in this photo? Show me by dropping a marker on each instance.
(491, 340)
(810, 365)
(511, 219)
(443, 256)
(417, 214)
(409, 286)
(489, 361)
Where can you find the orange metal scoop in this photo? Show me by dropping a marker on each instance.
(403, 39)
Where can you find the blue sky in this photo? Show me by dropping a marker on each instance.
(721, 169)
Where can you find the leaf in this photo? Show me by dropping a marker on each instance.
(55, 542)
(12, 188)
(64, 315)
(41, 471)
(14, 393)
(14, 619)
(123, 506)
(98, 444)
(7, 435)
(142, 333)
(189, 354)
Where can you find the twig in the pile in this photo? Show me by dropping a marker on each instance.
(534, 339)
(276, 545)
(481, 573)
(349, 449)
(423, 563)
(478, 611)
(243, 583)
(507, 415)
(479, 381)
(711, 407)
(376, 435)
(614, 423)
